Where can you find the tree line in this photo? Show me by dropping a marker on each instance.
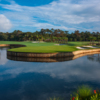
(50, 35)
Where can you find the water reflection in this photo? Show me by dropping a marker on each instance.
(3, 56)
(49, 59)
(94, 57)
(40, 81)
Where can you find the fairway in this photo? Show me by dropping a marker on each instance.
(44, 47)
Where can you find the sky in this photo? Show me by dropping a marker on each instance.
(32, 15)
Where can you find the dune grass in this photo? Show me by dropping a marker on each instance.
(44, 47)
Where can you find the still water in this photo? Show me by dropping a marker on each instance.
(20, 80)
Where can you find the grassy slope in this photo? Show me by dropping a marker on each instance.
(44, 47)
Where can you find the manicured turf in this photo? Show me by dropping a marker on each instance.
(44, 47)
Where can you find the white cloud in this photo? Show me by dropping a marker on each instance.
(5, 23)
(59, 14)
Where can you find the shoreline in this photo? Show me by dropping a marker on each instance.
(52, 55)
(15, 58)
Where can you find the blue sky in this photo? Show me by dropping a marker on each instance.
(32, 15)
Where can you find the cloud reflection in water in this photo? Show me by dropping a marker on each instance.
(40, 81)
(80, 69)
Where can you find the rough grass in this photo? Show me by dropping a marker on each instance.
(44, 47)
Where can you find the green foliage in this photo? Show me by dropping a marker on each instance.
(94, 97)
(43, 34)
(84, 91)
(92, 38)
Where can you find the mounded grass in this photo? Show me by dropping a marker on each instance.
(44, 47)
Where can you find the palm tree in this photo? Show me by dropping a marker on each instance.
(90, 38)
(94, 38)
(98, 40)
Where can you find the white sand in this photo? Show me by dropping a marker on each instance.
(86, 46)
(90, 46)
(56, 44)
(38, 42)
(80, 48)
(35, 42)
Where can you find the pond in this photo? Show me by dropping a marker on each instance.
(20, 80)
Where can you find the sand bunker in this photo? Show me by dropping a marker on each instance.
(38, 42)
(85, 47)
(90, 46)
(80, 48)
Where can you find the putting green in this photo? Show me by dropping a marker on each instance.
(44, 47)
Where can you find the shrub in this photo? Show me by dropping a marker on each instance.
(86, 93)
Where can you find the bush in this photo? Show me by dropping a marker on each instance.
(86, 93)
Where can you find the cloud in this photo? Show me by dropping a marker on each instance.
(63, 14)
(5, 23)
(13, 6)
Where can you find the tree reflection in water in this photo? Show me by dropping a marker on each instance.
(94, 57)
